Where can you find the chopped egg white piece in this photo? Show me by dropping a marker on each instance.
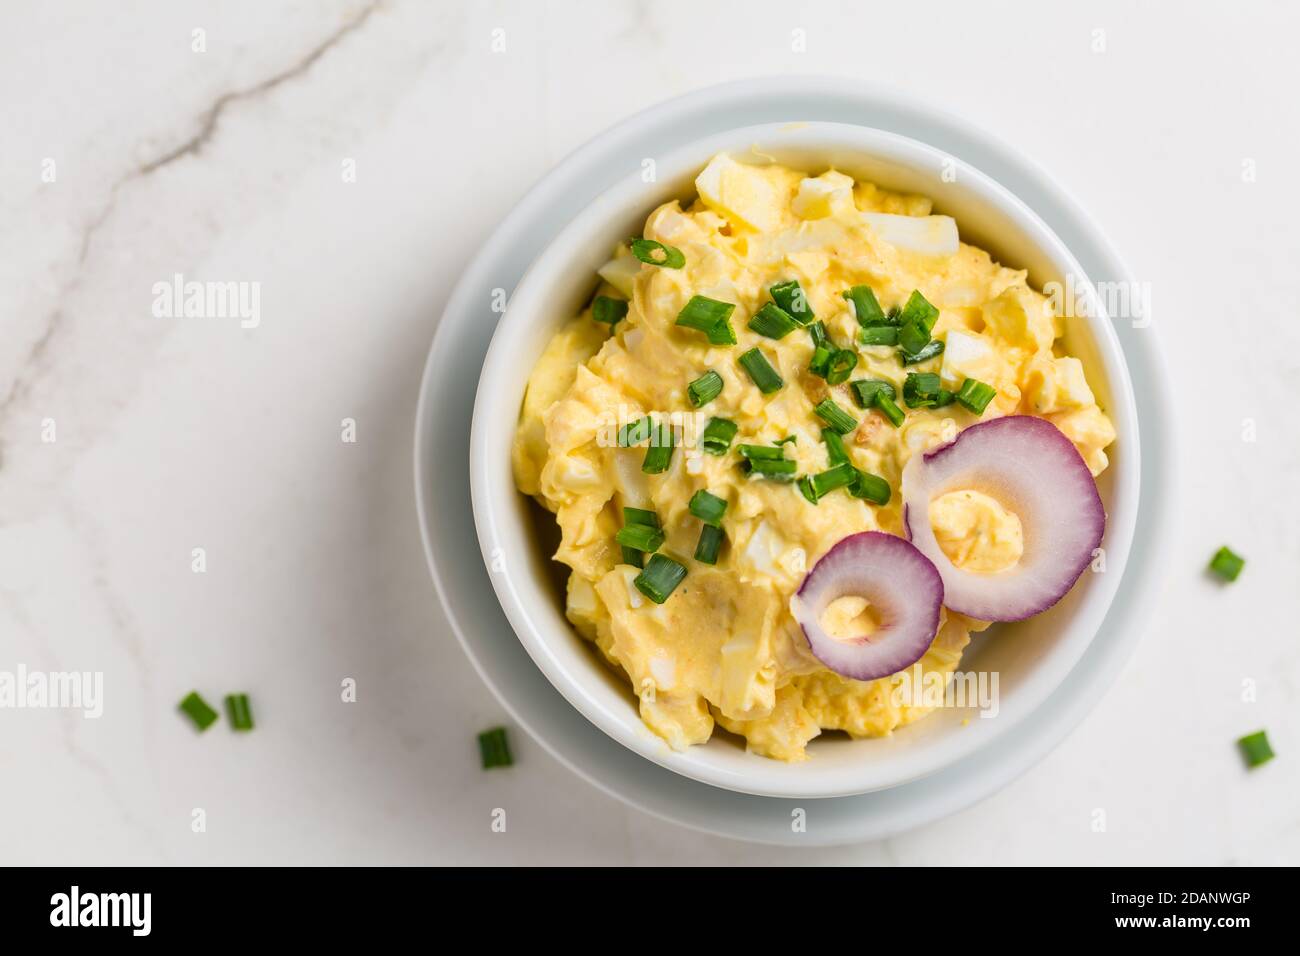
(927, 235)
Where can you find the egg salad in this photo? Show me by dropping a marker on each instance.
(745, 390)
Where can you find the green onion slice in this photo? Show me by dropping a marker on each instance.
(834, 416)
(634, 433)
(717, 436)
(915, 358)
(660, 452)
(197, 709)
(841, 366)
(1227, 564)
(815, 487)
(640, 537)
(633, 557)
(777, 469)
(761, 452)
(240, 714)
(921, 390)
(705, 315)
(975, 396)
(640, 516)
(659, 578)
(919, 310)
(865, 306)
(760, 370)
(607, 310)
(836, 452)
(792, 299)
(711, 538)
(865, 391)
(889, 409)
(709, 508)
(772, 321)
(657, 254)
(878, 335)
(1255, 748)
(494, 748)
(871, 487)
(704, 389)
(820, 363)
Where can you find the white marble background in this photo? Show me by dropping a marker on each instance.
(174, 434)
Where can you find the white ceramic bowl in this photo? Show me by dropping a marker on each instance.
(1031, 658)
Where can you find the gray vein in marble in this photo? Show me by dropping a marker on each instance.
(209, 120)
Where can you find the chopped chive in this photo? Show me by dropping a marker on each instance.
(975, 396)
(1255, 748)
(197, 709)
(709, 316)
(944, 397)
(792, 299)
(865, 391)
(761, 452)
(836, 417)
(709, 508)
(704, 389)
(657, 254)
(772, 321)
(817, 331)
(777, 469)
(634, 433)
(871, 487)
(921, 390)
(633, 557)
(912, 338)
(1227, 564)
(659, 578)
(820, 363)
(660, 452)
(836, 453)
(640, 537)
(240, 714)
(919, 310)
(642, 516)
(815, 487)
(760, 370)
(494, 748)
(717, 435)
(878, 335)
(889, 409)
(607, 310)
(865, 306)
(915, 358)
(711, 538)
(841, 366)
(787, 440)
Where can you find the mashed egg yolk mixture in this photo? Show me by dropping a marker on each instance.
(796, 448)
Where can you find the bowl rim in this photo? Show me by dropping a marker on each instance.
(760, 775)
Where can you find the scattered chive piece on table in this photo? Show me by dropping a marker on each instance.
(657, 254)
(841, 366)
(1255, 748)
(915, 358)
(760, 371)
(921, 390)
(240, 714)
(879, 335)
(660, 452)
(709, 508)
(865, 306)
(640, 537)
(836, 417)
(710, 543)
(835, 450)
(865, 391)
(777, 469)
(772, 321)
(717, 436)
(660, 578)
(494, 748)
(607, 310)
(889, 409)
(704, 389)
(792, 299)
(633, 433)
(197, 709)
(975, 396)
(706, 315)
(871, 487)
(1227, 564)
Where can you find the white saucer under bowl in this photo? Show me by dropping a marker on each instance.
(451, 377)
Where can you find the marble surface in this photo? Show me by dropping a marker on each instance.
(129, 157)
